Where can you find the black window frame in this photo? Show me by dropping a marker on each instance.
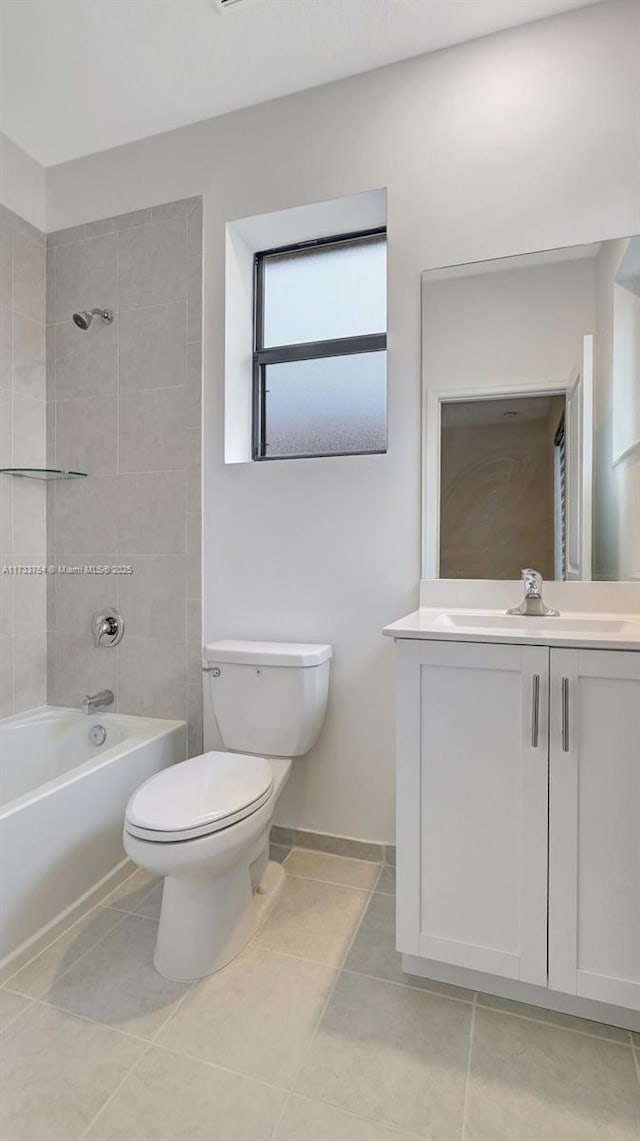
(308, 350)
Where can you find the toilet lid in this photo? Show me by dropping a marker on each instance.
(199, 796)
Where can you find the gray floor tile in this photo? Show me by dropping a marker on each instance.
(57, 1072)
(256, 1016)
(313, 920)
(568, 1021)
(11, 1007)
(307, 1120)
(38, 977)
(387, 881)
(168, 1098)
(129, 894)
(151, 903)
(393, 1054)
(374, 951)
(332, 869)
(541, 1083)
(117, 984)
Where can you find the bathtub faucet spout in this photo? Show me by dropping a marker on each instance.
(94, 701)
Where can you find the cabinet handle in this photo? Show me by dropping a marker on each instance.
(535, 711)
(565, 715)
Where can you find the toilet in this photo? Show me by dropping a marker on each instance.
(204, 824)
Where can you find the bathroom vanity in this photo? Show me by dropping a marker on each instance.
(518, 797)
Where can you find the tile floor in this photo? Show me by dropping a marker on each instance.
(312, 1034)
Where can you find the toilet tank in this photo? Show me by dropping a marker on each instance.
(267, 698)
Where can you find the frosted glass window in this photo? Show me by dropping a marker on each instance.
(325, 292)
(335, 404)
(319, 361)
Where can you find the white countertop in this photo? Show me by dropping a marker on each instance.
(573, 629)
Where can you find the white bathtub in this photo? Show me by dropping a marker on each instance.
(62, 802)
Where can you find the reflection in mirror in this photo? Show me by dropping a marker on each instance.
(501, 487)
(532, 415)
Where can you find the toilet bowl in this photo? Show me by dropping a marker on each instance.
(204, 824)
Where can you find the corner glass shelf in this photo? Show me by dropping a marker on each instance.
(42, 472)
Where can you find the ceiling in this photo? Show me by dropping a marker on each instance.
(79, 76)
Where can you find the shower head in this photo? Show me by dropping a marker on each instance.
(85, 317)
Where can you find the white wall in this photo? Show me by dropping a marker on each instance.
(22, 183)
(520, 141)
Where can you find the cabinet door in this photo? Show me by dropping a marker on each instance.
(594, 837)
(472, 786)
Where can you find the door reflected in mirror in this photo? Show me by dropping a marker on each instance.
(502, 487)
(531, 389)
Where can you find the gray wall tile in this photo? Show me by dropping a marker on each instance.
(86, 274)
(29, 377)
(6, 676)
(151, 514)
(152, 429)
(29, 670)
(174, 209)
(152, 677)
(86, 514)
(85, 362)
(152, 265)
(29, 515)
(152, 346)
(128, 391)
(6, 287)
(194, 230)
(152, 599)
(79, 668)
(29, 278)
(120, 222)
(86, 434)
(5, 346)
(194, 299)
(18, 225)
(64, 237)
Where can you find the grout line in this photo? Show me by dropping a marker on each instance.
(467, 1079)
(334, 856)
(62, 935)
(114, 1092)
(73, 963)
(556, 1025)
(409, 986)
(306, 1051)
(219, 1066)
(636, 1057)
(92, 1021)
(329, 883)
(67, 930)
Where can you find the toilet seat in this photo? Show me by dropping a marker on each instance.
(198, 797)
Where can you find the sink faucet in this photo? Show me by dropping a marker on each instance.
(94, 701)
(532, 604)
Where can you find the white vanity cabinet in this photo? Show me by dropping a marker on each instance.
(594, 825)
(518, 841)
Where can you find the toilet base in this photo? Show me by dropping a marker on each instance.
(205, 923)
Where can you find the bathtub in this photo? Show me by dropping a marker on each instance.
(62, 802)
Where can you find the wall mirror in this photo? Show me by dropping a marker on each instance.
(531, 397)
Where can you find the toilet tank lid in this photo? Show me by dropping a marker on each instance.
(266, 653)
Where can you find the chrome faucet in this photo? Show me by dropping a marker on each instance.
(94, 701)
(532, 604)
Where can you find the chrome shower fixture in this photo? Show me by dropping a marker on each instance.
(85, 317)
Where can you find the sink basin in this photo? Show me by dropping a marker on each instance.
(560, 624)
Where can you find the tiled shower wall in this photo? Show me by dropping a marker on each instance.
(124, 406)
(22, 442)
